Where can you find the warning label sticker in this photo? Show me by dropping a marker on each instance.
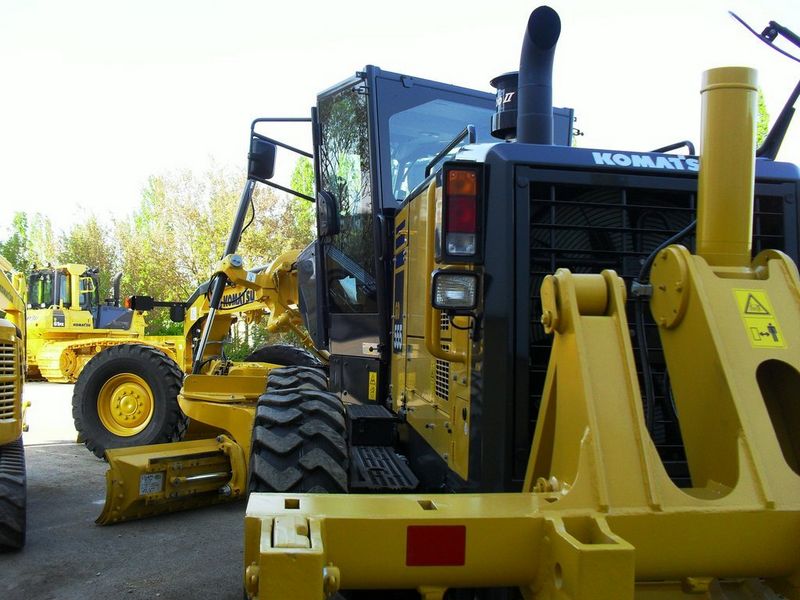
(759, 319)
(151, 483)
(372, 393)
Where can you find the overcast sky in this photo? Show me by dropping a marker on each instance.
(100, 94)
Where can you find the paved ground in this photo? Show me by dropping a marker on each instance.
(195, 554)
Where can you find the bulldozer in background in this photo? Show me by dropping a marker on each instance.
(68, 323)
(12, 423)
(450, 448)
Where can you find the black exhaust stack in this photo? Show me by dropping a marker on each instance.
(535, 91)
(115, 286)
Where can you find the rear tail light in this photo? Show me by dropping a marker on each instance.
(461, 213)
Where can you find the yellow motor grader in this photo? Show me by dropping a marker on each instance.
(127, 394)
(12, 374)
(552, 372)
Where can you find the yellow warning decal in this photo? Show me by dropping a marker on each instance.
(760, 321)
(373, 386)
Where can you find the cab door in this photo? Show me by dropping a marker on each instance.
(353, 286)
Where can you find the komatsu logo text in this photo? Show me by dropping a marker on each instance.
(236, 300)
(645, 161)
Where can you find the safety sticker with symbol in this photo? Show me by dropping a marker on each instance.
(759, 319)
(754, 307)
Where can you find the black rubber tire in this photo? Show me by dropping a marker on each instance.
(308, 378)
(283, 354)
(299, 443)
(12, 496)
(162, 375)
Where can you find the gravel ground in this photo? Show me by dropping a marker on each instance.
(195, 554)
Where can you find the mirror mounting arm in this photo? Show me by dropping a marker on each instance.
(288, 190)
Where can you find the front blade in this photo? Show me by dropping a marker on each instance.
(148, 480)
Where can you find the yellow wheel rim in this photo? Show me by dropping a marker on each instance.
(125, 404)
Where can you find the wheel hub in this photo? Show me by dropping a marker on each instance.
(125, 404)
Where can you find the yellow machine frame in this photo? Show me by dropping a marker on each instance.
(12, 356)
(598, 517)
(12, 411)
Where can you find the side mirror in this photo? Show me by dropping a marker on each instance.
(142, 303)
(327, 214)
(260, 159)
(177, 314)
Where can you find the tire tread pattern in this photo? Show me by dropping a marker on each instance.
(299, 442)
(12, 496)
(297, 377)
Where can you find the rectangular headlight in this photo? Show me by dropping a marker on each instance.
(454, 290)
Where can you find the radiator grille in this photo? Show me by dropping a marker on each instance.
(444, 322)
(589, 228)
(8, 380)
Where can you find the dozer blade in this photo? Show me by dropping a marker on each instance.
(148, 480)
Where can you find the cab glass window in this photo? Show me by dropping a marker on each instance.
(418, 133)
(345, 171)
(40, 289)
(88, 291)
(63, 289)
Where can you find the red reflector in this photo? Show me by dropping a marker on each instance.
(127, 303)
(436, 545)
(461, 214)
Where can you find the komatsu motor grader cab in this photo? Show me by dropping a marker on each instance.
(68, 323)
(12, 373)
(484, 309)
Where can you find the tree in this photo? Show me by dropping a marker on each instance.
(762, 126)
(301, 211)
(89, 243)
(16, 248)
(171, 242)
(42, 241)
(178, 233)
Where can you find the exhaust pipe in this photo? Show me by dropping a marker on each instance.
(725, 183)
(115, 286)
(535, 91)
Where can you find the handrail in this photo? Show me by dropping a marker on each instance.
(467, 132)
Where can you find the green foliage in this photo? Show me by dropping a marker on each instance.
(245, 339)
(303, 211)
(31, 241)
(158, 323)
(172, 240)
(42, 241)
(303, 176)
(89, 243)
(16, 248)
(762, 126)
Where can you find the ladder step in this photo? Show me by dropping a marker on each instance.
(378, 469)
